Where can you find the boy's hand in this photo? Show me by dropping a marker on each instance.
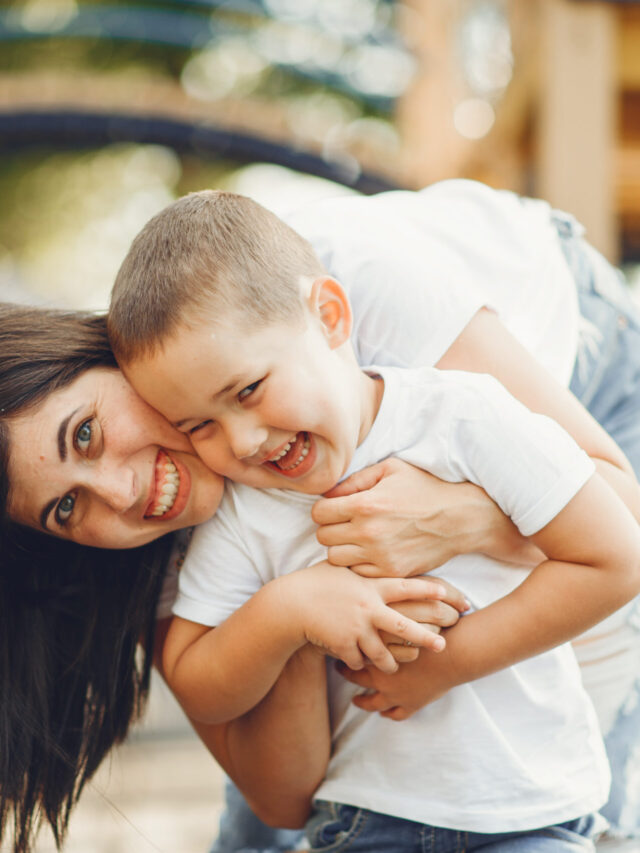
(344, 613)
(434, 615)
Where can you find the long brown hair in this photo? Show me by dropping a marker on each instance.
(71, 617)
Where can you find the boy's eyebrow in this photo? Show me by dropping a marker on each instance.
(231, 384)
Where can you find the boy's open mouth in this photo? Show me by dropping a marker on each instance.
(295, 458)
(166, 487)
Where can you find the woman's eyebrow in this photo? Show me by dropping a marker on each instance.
(62, 435)
(44, 515)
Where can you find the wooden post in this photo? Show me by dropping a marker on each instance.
(577, 115)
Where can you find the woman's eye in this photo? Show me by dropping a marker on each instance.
(201, 425)
(83, 436)
(65, 508)
(246, 392)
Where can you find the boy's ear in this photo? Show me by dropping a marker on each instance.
(329, 302)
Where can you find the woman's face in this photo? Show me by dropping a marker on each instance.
(97, 465)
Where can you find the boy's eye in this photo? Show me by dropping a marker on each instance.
(83, 436)
(199, 426)
(246, 392)
(65, 509)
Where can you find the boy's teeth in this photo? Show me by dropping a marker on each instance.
(283, 452)
(304, 451)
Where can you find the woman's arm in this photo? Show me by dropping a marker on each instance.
(276, 754)
(406, 522)
(593, 568)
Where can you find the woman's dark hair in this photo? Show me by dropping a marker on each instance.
(73, 675)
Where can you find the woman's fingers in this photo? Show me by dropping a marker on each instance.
(361, 678)
(403, 654)
(358, 482)
(333, 510)
(372, 702)
(334, 534)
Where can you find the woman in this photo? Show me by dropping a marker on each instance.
(37, 430)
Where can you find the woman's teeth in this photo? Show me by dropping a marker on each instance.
(168, 483)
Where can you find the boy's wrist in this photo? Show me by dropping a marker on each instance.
(287, 604)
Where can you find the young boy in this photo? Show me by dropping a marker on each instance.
(254, 361)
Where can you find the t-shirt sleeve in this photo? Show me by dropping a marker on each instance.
(218, 575)
(524, 461)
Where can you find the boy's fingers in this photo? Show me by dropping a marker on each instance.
(454, 597)
(410, 632)
(404, 589)
(378, 654)
(361, 481)
(353, 658)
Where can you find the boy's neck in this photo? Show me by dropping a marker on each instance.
(371, 394)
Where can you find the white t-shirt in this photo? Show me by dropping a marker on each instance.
(418, 265)
(512, 751)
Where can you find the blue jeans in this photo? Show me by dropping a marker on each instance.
(242, 832)
(607, 381)
(334, 828)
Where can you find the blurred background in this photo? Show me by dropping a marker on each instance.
(109, 110)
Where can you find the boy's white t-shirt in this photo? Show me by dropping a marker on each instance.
(515, 750)
(417, 266)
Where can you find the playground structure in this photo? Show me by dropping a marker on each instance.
(369, 93)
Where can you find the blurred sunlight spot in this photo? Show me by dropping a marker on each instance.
(312, 117)
(47, 15)
(81, 214)
(231, 68)
(352, 19)
(485, 48)
(379, 70)
(473, 118)
(291, 10)
(296, 45)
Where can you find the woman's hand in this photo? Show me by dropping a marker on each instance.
(401, 694)
(394, 520)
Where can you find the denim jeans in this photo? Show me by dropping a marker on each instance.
(606, 380)
(334, 828)
(242, 832)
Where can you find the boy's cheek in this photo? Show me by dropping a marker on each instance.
(209, 450)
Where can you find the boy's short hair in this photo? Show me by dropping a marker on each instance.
(208, 252)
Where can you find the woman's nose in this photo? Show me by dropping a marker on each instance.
(116, 487)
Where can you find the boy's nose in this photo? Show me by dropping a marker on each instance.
(246, 442)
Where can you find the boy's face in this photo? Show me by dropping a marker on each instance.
(277, 406)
